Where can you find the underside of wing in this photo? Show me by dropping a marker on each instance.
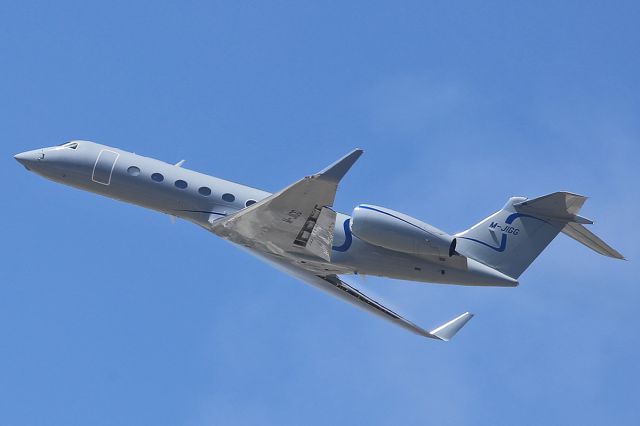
(336, 287)
(295, 222)
(356, 297)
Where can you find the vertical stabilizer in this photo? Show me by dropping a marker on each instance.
(511, 239)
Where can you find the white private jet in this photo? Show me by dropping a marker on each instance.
(297, 230)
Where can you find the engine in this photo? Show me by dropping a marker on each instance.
(396, 231)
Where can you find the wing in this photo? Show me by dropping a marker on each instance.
(296, 221)
(333, 285)
(344, 291)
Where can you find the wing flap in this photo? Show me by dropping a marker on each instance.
(316, 236)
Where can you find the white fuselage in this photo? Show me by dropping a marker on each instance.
(202, 199)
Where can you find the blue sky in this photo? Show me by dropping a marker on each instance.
(109, 314)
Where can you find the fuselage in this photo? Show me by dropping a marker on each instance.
(201, 199)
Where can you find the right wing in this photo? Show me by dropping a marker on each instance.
(295, 222)
(333, 285)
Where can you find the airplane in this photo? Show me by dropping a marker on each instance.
(297, 230)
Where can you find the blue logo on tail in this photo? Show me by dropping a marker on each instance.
(506, 229)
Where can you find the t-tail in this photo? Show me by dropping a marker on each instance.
(511, 239)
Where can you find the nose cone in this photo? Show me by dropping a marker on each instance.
(29, 158)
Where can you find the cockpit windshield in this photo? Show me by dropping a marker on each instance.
(71, 145)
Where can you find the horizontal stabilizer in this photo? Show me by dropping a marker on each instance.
(448, 330)
(583, 235)
(559, 205)
(564, 207)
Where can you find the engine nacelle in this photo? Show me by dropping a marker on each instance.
(396, 231)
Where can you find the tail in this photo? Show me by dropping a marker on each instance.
(511, 239)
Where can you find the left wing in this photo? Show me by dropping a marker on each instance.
(340, 289)
(333, 285)
(295, 221)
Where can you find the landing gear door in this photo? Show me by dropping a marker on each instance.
(103, 168)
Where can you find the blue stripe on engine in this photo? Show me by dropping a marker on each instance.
(393, 216)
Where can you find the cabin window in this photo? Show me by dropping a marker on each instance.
(157, 177)
(180, 184)
(229, 197)
(249, 202)
(203, 190)
(133, 171)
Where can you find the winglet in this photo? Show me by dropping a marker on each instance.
(448, 330)
(337, 170)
